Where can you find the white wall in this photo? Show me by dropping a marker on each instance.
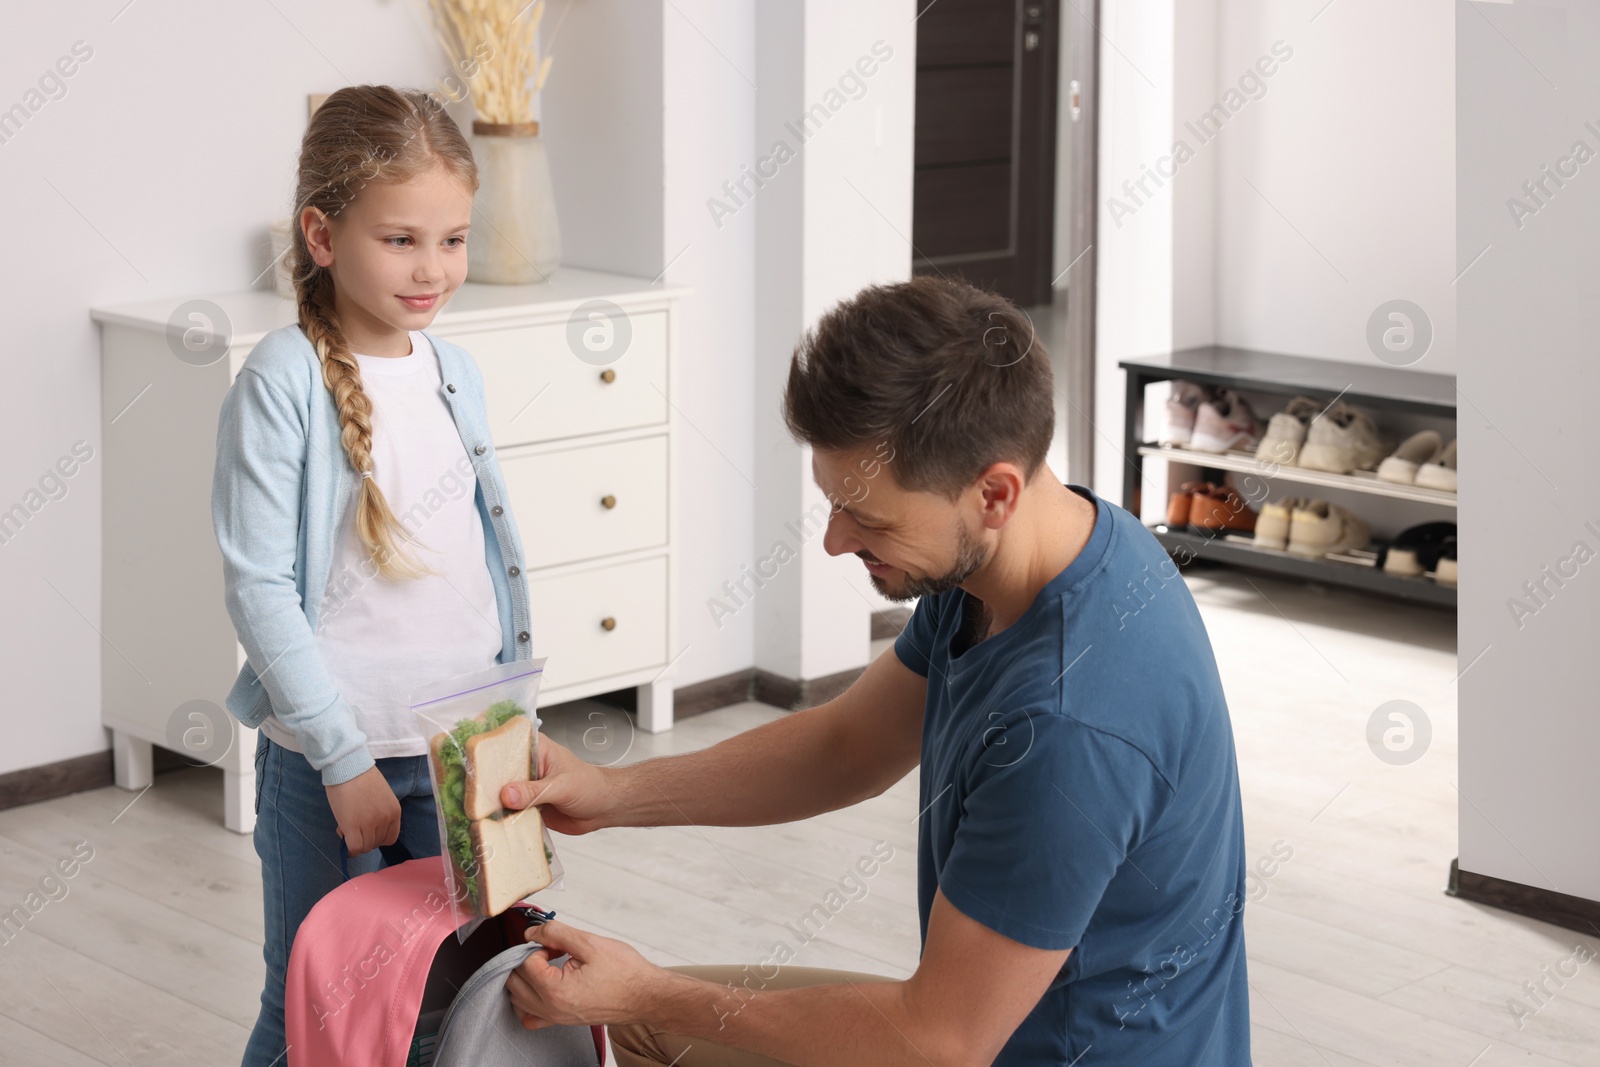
(1351, 155)
(602, 116)
(1359, 197)
(708, 112)
(1529, 494)
(1134, 296)
(152, 174)
(662, 114)
(1195, 277)
(1328, 194)
(139, 186)
(1071, 23)
(834, 219)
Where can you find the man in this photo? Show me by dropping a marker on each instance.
(1080, 852)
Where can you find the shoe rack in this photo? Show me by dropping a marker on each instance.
(1393, 390)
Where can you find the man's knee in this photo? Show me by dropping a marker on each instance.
(634, 1045)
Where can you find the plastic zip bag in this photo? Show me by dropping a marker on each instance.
(483, 732)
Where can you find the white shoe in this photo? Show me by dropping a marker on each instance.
(1419, 448)
(1321, 527)
(1186, 398)
(1225, 424)
(1273, 524)
(1440, 472)
(1448, 571)
(1342, 440)
(1286, 432)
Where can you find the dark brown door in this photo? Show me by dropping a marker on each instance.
(983, 194)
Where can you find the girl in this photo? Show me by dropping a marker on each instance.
(366, 540)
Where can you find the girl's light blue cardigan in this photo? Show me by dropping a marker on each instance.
(278, 498)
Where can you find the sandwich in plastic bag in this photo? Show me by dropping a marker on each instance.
(483, 733)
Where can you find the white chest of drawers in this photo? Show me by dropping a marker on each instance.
(579, 378)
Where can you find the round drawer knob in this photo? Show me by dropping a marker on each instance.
(608, 376)
(608, 624)
(608, 501)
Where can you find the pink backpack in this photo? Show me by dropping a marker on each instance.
(376, 969)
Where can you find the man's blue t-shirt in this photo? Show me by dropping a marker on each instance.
(1079, 790)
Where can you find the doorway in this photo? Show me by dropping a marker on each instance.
(1004, 150)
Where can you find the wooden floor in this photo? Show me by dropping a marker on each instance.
(153, 956)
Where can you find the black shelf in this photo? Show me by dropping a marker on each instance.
(1382, 388)
(1363, 385)
(1218, 549)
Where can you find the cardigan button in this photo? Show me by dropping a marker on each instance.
(451, 388)
(523, 637)
(514, 571)
(479, 450)
(497, 511)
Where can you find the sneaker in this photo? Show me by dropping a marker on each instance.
(1225, 424)
(1286, 432)
(1320, 527)
(1419, 448)
(1343, 440)
(1217, 509)
(1272, 525)
(1417, 549)
(1446, 572)
(1185, 400)
(1440, 472)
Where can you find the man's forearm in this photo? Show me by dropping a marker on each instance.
(791, 768)
(865, 1023)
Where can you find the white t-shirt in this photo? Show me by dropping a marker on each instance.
(381, 639)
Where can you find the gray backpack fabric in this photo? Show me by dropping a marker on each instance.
(480, 1029)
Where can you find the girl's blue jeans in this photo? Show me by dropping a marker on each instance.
(299, 845)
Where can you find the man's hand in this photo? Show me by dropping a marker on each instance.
(603, 981)
(824, 758)
(366, 810)
(574, 797)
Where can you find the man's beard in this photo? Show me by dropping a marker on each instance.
(970, 555)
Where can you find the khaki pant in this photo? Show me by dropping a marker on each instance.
(644, 1046)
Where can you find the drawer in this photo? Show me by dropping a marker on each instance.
(560, 500)
(569, 614)
(573, 397)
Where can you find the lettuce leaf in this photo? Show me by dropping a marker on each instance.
(453, 789)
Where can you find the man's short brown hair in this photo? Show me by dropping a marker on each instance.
(951, 377)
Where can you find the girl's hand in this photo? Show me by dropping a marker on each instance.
(366, 810)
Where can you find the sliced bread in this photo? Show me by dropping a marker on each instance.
(511, 859)
(494, 759)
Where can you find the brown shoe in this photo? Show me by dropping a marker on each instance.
(1218, 509)
(1182, 503)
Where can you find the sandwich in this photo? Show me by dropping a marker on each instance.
(493, 758)
(499, 857)
(511, 858)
